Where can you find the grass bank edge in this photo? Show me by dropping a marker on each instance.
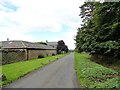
(17, 70)
(93, 75)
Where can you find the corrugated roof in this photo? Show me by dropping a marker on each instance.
(24, 44)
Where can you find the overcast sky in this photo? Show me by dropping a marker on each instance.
(40, 20)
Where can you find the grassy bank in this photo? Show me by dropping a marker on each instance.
(92, 75)
(16, 70)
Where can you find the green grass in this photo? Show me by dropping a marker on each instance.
(16, 70)
(93, 75)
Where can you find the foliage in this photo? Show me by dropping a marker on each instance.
(92, 75)
(61, 47)
(53, 54)
(112, 83)
(41, 56)
(44, 43)
(16, 70)
(100, 31)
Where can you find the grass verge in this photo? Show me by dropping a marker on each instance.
(93, 75)
(16, 70)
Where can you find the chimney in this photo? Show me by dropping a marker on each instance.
(7, 39)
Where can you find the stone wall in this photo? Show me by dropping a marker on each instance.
(10, 56)
(16, 55)
(32, 54)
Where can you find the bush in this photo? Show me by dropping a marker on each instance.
(3, 77)
(41, 56)
(53, 54)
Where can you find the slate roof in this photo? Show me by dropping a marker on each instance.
(24, 45)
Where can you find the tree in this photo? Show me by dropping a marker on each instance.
(100, 31)
(41, 43)
(61, 47)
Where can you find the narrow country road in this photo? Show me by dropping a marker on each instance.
(59, 74)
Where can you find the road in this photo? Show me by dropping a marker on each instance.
(59, 74)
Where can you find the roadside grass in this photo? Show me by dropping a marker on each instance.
(93, 75)
(115, 66)
(16, 70)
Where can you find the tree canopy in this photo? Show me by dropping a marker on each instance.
(44, 43)
(100, 31)
(61, 47)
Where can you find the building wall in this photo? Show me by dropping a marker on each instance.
(10, 56)
(16, 55)
(32, 54)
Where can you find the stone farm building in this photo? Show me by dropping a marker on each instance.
(14, 51)
(53, 44)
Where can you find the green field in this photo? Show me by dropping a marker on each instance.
(16, 70)
(92, 75)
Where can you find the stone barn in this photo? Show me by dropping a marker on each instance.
(14, 51)
(53, 44)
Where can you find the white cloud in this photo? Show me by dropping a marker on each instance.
(69, 39)
(39, 15)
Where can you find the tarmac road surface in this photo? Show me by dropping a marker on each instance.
(59, 74)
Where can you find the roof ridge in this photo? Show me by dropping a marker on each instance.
(23, 44)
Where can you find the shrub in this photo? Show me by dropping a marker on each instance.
(3, 77)
(41, 56)
(53, 54)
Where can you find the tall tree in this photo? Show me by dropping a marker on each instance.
(100, 31)
(61, 47)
